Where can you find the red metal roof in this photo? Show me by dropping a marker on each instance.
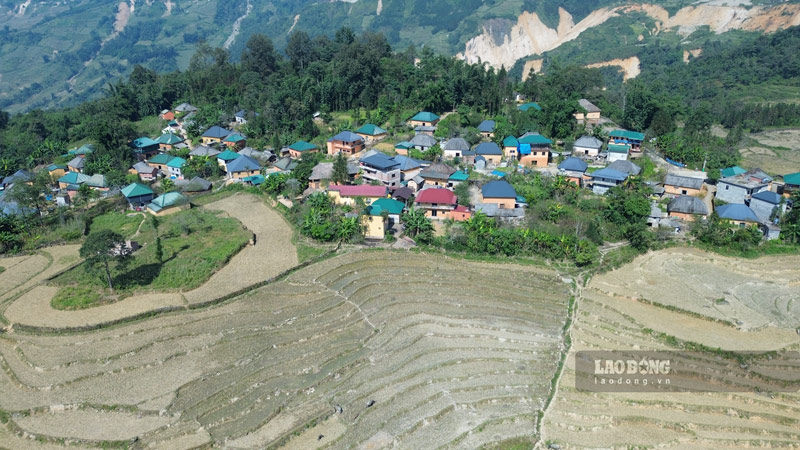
(461, 208)
(361, 190)
(436, 195)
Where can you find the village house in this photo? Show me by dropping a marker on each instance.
(525, 107)
(381, 168)
(383, 214)
(423, 119)
(437, 202)
(235, 141)
(167, 115)
(145, 171)
(500, 193)
(486, 129)
(401, 148)
(322, 173)
(454, 148)
(423, 142)
(731, 171)
(138, 194)
(72, 178)
(57, 171)
(168, 203)
(283, 165)
(436, 175)
(97, 182)
(297, 149)
(534, 150)
(740, 188)
(460, 213)
(510, 147)
(574, 169)
(82, 151)
(193, 186)
(656, 215)
(458, 177)
(371, 133)
(632, 139)
(765, 203)
(226, 157)
(617, 152)
(345, 142)
(402, 194)
(587, 147)
(204, 151)
(214, 135)
(588, 114)
(175, 167)
(791, 183)
(490, 151)
(20, 176)
(185, 108)
(243, 167)
(625, 167)
(160, 162)
(241, 116)
(349, 195)
(679, 185)
(76, 164)
(409, 167)
(688, 208)
(604, 179)
(425, 130)
(169, 141)
(738, 214)
(416, 183)
(144, 147)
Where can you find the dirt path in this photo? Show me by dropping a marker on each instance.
(272, 254)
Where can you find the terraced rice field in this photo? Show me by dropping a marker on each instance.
(367, 349)
(759, 313)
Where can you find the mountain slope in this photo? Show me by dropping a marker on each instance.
(56, 53)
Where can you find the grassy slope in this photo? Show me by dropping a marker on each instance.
(196, 244)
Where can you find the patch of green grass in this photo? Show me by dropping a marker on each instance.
(2, 269)
(307, 252)
(519, 443)
(71, 298)
(195, 243)
(121, 223)
(149, 126)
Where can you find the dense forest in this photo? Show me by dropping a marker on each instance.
(349, 72)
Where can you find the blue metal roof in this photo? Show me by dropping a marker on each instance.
(487, 126)
(737, 211)
(216, 132)
(381, 162)
(610, 174)
(768, 196)
(498, 189)
(488, 148)
(346, 136)
(574, 164)
(242, 164)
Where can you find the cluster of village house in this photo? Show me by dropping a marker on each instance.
(386, 185)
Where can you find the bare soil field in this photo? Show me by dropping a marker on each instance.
(272, 254)
(368, 349)
(778, 152)
(609, 317)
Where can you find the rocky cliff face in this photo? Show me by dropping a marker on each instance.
(529, 36)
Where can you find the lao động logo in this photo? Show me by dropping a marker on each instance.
(674, 371)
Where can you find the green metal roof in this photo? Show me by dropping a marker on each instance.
(161, 158)
(177, 162)
(166, 200)
(228, 155)
(84, 149)
(425, 116)
(370, 130)
(136, 190)
(633, 135)
(169, 139)
(143, 142)
(389, 205)
(53, 167)
(254, 179)
(235, 137)
(74, 178)
(459, 176)
(792, 178)
(527, 106)
(302, 146)
(510, 141)
(405, 145)
(733, 171)
(618, 148)
(535, 139)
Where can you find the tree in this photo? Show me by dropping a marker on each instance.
(300, 50)
(462, 193)
(259, 55)
(167, 185)
(639, 106)
(662, 123)
(340, 173)
(159, 251)
(417, 225)
(103, 247)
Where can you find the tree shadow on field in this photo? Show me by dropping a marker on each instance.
(140, 276)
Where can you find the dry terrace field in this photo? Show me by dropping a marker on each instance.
(757, 310)
(775, 151)
(453, 354)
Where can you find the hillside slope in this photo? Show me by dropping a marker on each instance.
(58, 53)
